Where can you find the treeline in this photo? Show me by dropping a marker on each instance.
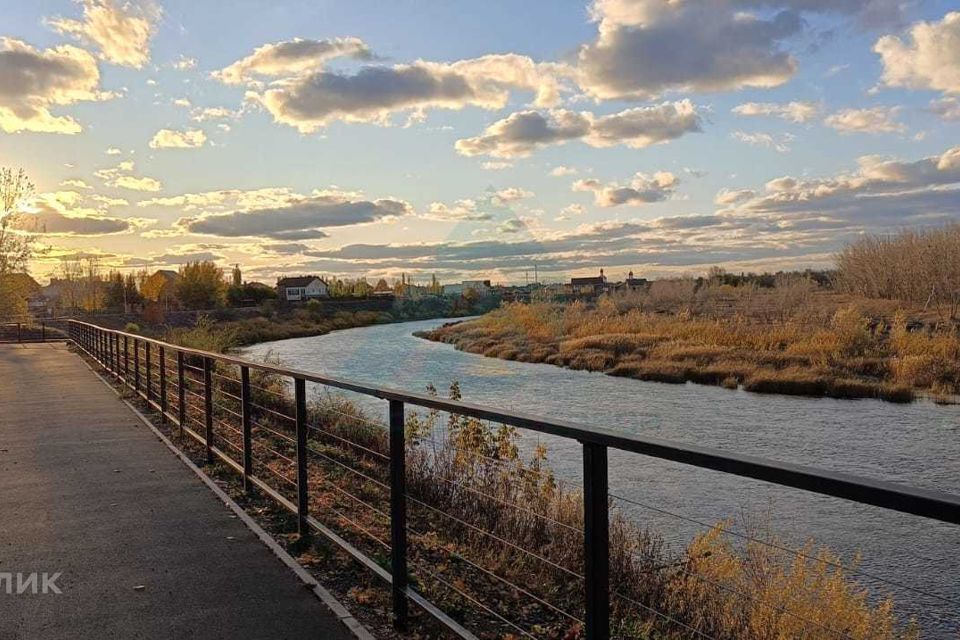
(919, 266)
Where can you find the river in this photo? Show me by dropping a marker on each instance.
(916, 444)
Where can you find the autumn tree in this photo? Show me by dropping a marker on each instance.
(201, 285)
(15, 190)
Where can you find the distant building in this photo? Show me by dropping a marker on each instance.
(481, 287)
(591, 285)
(302, 288)
(633, 284)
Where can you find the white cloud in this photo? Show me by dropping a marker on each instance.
(928, 59)
(121, 30)
(310, 101)
(170, 139)
(113, 151)
(35, 81)
(779, 143)
(642, 189)
(292, 57)
(122, 176)
(511, 194)
(798, 112)
(522, 133)
(562, 170)
(872, 120)
(183, 63)
(727, 197)
(182, 102)
(281, 214)
(461, 210)
(212, 113)
(495, 165)
(946, 108)
(70, 213)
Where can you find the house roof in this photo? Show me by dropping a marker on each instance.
(589, 280)
(24, 282)
(297, 281)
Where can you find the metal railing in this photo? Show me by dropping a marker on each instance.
(22, 332)
(147, 365)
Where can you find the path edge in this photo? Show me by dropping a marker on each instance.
(339, 610)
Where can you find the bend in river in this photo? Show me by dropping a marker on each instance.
(916, 444)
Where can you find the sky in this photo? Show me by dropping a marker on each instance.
(478, 140)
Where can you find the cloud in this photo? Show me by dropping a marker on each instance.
(35, 81)
(70, 213)
(76, 183)
(170, 139)
(929, 58)
(212, 113)
(292, 57)
(183, 63)
(647, 47)
(799, 112)
(292, 216)
(120, 30)
(113, 151)
(727, 197)
(310, 101)
(511, 194)
(778, 143)
(946, 108)
(514, 225)
(642, 189)
(523, 132)
(461, 210)
(872, 120)
(495, 165)
(121, 176)
(561, 170)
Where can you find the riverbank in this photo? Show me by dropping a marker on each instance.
(223, 330)
(846, 353)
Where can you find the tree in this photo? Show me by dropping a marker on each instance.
(15, 190)
(201, 285)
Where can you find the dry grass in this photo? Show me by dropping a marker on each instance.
(832, 345)
(480, 510)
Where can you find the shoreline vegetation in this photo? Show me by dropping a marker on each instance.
(466, 481)
(819, 343)
(223, 331)
(885, 324)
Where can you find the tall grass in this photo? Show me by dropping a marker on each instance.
(829, 346)
(497, 525)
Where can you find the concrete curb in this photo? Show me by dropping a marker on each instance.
(340, 611)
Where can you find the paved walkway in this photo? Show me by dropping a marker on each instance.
(88, 491)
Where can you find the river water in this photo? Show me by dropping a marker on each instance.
(916, 444)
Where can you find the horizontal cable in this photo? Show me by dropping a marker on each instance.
(495, 537)
(275, 472)
(348, 468)
(500, 578)
(800, 554)
(504, 502)
(258, 425)
(348, 442)
(467, 596)
(274, 412)
(660, 614)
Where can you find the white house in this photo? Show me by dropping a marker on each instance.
(301, 288)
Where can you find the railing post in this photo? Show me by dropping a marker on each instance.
(126, 358)
(136, 365)
(162, 356)
(398, 515)
(300, 395)
(245, 422)
(596, 541)
(208, 407)
(19, 335)
(147, 376)
(43, 331)
(181, 394)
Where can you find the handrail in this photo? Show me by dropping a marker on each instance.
(112, 349)
(927, 503)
